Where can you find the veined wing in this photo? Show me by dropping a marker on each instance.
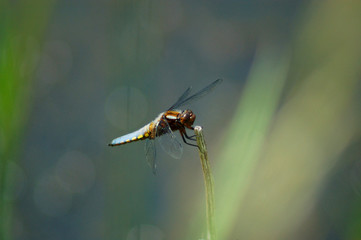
(150, 154)
(181, 98)
(168, 141)
(184, 100)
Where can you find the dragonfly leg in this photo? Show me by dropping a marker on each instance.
(189, 137)
(184, 140)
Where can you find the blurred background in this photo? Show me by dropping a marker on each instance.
(283, 129)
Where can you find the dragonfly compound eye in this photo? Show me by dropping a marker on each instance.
(188, 118)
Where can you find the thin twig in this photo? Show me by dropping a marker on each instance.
(208, 181)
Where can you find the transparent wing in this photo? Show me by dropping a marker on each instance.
(168, 141)
(183, 100)
(150, 154)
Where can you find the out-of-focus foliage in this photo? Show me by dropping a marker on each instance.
(287, 138)
(276, 162)
(20, 32)
(282, 129)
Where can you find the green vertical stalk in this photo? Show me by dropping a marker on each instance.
(208, 182)
(21, 25)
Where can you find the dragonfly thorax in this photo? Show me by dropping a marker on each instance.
(187, 118)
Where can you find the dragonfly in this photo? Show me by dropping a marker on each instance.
(163, 127)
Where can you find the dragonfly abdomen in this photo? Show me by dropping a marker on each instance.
(140, 134)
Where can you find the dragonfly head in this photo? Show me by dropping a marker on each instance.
(187, 118)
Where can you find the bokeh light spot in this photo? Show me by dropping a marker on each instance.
(16, 179)
(145, 232)
(50, 198)
(75, 172)
(126, 107)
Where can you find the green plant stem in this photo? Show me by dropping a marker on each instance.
(208, 181)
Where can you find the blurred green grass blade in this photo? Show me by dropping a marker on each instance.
(274, 167)
(18, 27)
(246, 135)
